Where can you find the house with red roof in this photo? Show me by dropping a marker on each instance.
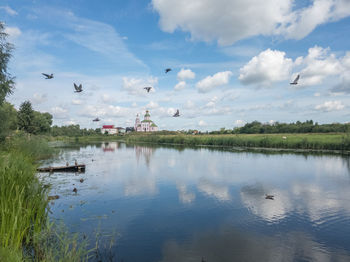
(109, 129)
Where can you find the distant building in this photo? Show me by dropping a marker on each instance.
(121, 130)
(146, 125)
(110, 129)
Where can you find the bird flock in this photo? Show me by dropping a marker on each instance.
(79, 89)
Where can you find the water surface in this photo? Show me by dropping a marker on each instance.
(169, 204)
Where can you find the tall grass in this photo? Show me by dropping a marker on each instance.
(23, 201)
(25, 230)
(339, 142)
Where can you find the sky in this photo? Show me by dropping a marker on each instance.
(231, 60)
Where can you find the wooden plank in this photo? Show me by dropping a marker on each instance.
(75, 168)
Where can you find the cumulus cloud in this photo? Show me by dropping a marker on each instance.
(179, 86)
(185, 74)
(39, 98)
(134, 86)
(59, 112)
(211, 82)
(9, 10)
(319, 63)
(330, 106)
(272, 66)
(211, 19)
(267, 67)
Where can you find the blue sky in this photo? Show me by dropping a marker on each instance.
(232, 60)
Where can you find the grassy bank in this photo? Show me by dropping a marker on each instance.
(25, 229)
(336, 141)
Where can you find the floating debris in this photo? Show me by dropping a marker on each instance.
(53, 197)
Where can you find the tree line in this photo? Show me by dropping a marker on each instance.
(309, 126)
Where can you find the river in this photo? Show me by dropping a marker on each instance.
(149, 203)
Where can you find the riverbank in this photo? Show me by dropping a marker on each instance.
(26, 233)
(339, 142)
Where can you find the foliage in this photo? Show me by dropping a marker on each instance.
(31, 121)
(8, 119)
(26, 117)
(73, 131)
(308, 126)
(6, 81)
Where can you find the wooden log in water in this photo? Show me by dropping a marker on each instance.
(75, 168)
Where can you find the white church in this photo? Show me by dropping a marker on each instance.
(146, 125)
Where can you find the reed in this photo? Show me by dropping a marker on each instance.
(23, 201)
(26, 233)
(335, 141)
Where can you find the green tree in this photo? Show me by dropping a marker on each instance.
(41, 122)
(6, 81)
(26, 117)
(8, 119)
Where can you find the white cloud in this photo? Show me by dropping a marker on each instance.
(213, 19)
(13, 32)
(9, 10)
(59, 112)
(39, 98)
(210, 82)
(134, 86)
(179, 86)
(240, 123)
(317, 94)
(152, 105)
(76, 102)
(330, 106)
(106, 98)
(189, 104)
(319, 63)
(304, 21)
(185, 74)
(202, 123)
(267, 67)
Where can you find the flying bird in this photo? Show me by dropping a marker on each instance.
(78, 89)
(295, 82)
(96, 119)
(177, 114)
(271, 197)
(167, 70)
(47, 76)
(148, 88)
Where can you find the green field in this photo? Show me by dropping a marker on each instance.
(329, 141)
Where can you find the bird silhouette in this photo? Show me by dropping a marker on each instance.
(96, 119)
(177, 113)
(271, 197)
(295, 82)
(167, 70)
(148, 88)
(47, 76)
(78, 89)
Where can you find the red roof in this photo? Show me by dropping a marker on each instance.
(108, 126)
